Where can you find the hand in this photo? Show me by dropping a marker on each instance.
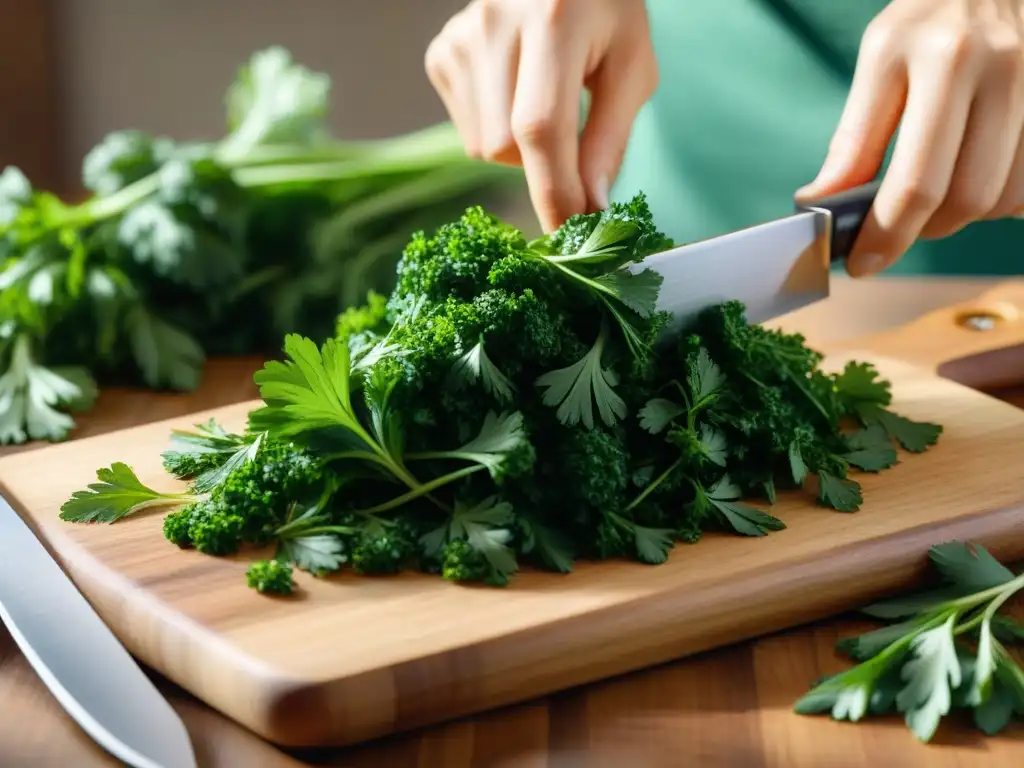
(953, 70)
(511, 74)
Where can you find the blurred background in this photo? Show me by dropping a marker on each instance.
(74, 70)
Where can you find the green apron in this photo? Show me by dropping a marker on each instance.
(750, 93)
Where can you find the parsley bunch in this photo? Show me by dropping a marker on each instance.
(277, 221)
(518, 402)
(946, 648)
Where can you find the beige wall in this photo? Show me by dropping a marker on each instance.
(163, 65)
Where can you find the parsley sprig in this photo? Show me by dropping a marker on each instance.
(308, 398)
(701, 447)
(946, 649)
(118, 493)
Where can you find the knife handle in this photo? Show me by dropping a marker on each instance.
(849, 210)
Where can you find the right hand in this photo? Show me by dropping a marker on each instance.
(511, 74)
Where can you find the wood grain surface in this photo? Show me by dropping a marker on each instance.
(730, 707)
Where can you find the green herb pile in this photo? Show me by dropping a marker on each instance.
(277, 223)
(945, 649)
(515, 402)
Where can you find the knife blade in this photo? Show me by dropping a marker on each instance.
(773, 268)
(89, 672)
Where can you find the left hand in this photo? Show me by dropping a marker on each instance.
(953, 70)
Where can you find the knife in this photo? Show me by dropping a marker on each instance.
(88, 671)
(773, 268)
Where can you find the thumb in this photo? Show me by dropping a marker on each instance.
(869, 119)
(619, 88)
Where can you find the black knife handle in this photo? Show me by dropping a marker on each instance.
(849, 211)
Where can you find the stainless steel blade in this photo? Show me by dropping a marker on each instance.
(89, 672)
(772, 268)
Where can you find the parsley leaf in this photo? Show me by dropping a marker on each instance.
(797, 466)
(1005, 697)
(308, 392)
(968, 566)
(166, 355)
(30, 394)
(274, 101)
(859, 383)
(485, 527)
(870, 644)
(475, 366)
(1007, 630)
(931, 675)
(838, 493)
(658, 413)
(852, 694)
(746, 520)
(870, 450)
(713, 445)
(576, 388)
(316, 553)
(549, 545)
(243, 455)
(607, 239)
(117, 494)
(652, 544)
(638, 291)
(499, 436)
(914, 436)
(705, 379)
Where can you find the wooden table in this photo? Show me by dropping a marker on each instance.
(730, 707)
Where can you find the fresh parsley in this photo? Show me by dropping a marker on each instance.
(118, 493)
(946, 649)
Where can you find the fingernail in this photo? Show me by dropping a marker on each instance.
(601, 192)
(868, 264)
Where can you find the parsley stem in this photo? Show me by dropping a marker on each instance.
(423, 489)
(1009, 590)
(654, 484)
(970, 601)
(102, 208)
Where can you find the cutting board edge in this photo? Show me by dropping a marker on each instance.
(591, 636)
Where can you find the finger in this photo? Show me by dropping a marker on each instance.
(938, 102)
(545, 120)
(987, 155)
(869, 119)
(448, 66)
(1011, 201)
(626, 79)
(495, 82)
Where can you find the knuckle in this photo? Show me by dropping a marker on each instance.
(957, 48)
(459, 52)
(488, 17)
(558, 12)
(918, 198)
(535, 130)
(433, 60)
(1006, 62)
(880, 38)
(967, 203)
(497, 148)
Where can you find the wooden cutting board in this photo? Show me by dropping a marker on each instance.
(354, 658)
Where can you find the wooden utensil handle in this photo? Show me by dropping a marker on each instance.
(978, 342)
